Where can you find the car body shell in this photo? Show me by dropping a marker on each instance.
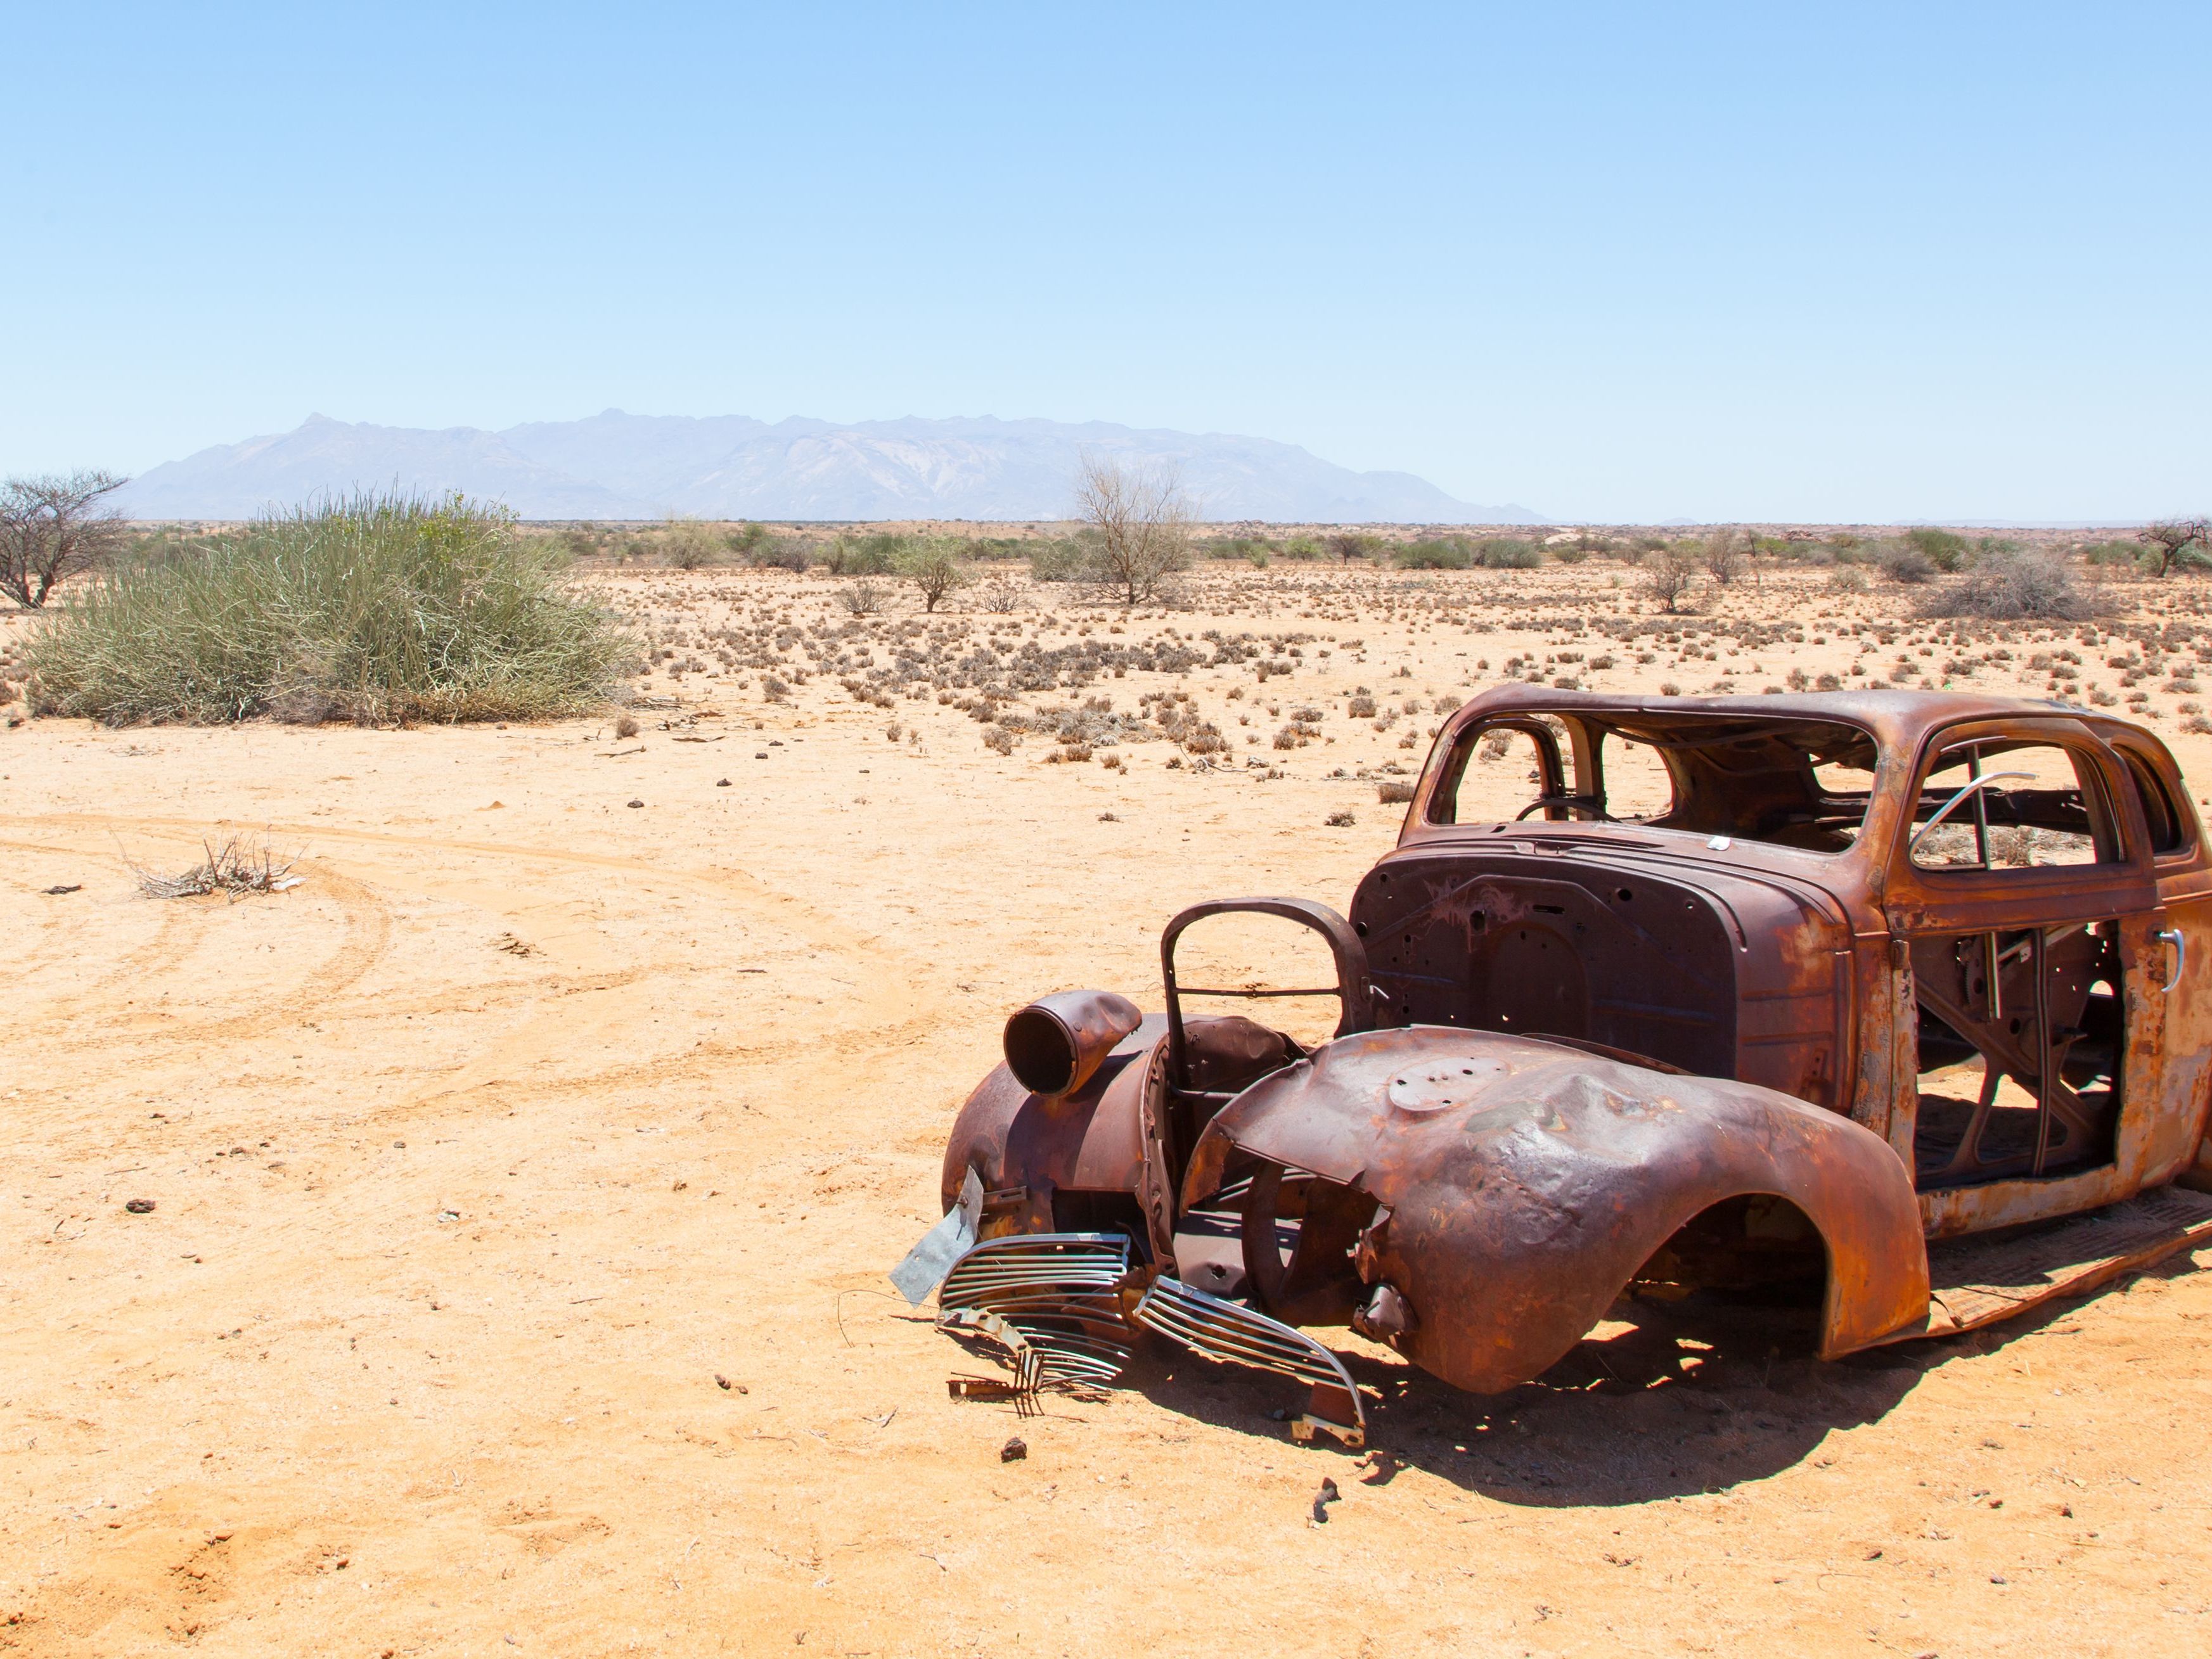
(1577, 1055)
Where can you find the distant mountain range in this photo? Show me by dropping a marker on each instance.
(615, 465)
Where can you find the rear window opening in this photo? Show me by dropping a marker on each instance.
(1793, 782)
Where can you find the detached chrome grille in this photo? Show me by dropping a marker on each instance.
(1053, 1302)
(1060, 1291)
(1238, 1336)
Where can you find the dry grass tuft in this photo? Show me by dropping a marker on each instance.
(235, 869)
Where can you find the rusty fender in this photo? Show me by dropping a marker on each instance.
(1521, 1184)
(1061, 1113)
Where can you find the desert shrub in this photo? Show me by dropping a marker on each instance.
(2020, 584)
(1847, 579)
(1446, 553)
(1507, 553)
(689, 544)
(1905, 563)
(1073, 560)
(863, 599)
(377, 609)
(1301, 547)
(782, 553)
(2111, 553)
(1943, 550)
(1392, 795)
(869, 556)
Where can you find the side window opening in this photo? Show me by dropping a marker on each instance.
(2006, 804)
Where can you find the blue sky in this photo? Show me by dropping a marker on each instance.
(1618, 263)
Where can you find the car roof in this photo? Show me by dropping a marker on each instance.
(1898, 719)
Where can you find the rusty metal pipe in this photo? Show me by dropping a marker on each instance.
(1054, 1045)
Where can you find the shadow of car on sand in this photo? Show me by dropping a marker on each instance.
(1661, 1401)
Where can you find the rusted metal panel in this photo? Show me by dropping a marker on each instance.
(1525, 1184)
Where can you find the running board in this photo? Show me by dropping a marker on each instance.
(1975, 1282)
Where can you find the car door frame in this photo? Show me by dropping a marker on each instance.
(1919, 902)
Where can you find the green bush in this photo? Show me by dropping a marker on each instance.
(1070, 561)
(2114, 553)
(1443, 553)
(1509, 553)
(870, 555)
(1943, 550)
(792, 553)
(379, 609)
(689, 544)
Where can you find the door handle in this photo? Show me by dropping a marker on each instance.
(2173, 936)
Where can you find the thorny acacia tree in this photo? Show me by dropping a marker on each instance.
(933, 564)
(2170, 540)
(1144, 522)
(53, 525)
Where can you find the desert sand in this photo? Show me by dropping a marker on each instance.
(524, 1182)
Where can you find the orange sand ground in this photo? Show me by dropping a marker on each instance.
(478, 1156)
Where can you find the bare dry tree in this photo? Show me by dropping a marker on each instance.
(2171, 540)
(1671, 575)
(1724, 553)
(1143, 520)
(52, 526)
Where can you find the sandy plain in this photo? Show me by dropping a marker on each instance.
(481, 1155)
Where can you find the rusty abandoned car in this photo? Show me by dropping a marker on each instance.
(1894, 997)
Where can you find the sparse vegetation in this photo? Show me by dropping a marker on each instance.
(376, 610)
